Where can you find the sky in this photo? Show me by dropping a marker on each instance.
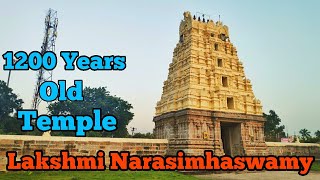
(277, 41)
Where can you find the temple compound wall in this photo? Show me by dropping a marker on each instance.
(78, 146)
(207, 102)
(294, 149)
(88, 146)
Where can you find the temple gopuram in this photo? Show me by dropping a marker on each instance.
(207, 102)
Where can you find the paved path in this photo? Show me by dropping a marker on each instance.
(266, 175)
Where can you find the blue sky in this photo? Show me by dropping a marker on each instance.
(277, 41)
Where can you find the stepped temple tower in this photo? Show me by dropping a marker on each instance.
(207, 102)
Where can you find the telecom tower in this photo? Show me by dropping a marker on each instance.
(50, 35)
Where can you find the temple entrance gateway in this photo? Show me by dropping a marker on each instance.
(231, 138)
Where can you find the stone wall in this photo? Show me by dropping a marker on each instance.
(294, 149)
(25, 145)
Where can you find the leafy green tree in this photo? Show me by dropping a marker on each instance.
(96, 98)
(273, 130)
(8, 100)
(305, 135)
(317, 134)
(142, 135)
(9, 104)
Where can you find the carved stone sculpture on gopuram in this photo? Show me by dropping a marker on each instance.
(207, 102)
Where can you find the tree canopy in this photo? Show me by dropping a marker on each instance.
(143, 135)
(306, 137)
(273, 130)
(9, 104)
(96, 98)
(317, 134)
(305, 134)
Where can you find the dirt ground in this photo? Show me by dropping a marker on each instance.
(266, 175)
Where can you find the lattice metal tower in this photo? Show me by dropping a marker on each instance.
(50, 35)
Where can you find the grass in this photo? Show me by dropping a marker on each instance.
(77, 175)
(315, 166)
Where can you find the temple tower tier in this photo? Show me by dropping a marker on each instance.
(207, 103)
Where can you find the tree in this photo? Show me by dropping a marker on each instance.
(317, 134)
(273, 130)
(141, 135)
(305, 135)
(96, 98)
(8, 100)
(9, 104)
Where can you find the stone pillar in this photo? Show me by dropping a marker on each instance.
(217, 141)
